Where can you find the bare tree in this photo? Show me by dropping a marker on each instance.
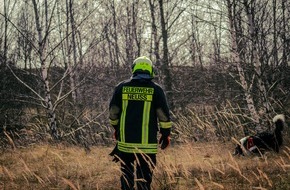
(42, 40)
(8, 11)
(78, 50)
(165, 56)
(249, 9)
(25, 38)
(71, 47)
(196, 46)
(115, 34)
(154, 35)
(232, 11)
(165, 27)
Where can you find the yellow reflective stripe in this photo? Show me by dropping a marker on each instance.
(123, 118)
(138, 97)
(137, 145)
(137, 148)
(166, 125)
(146, 151)
(145, 122)
(137, 90)
(114, 122)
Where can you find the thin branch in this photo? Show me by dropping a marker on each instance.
(26, 85)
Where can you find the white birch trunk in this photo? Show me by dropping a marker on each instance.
(72, 64)
(44, 73)
(257, 65)
(236, 57)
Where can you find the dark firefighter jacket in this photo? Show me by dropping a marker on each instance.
(136, 108)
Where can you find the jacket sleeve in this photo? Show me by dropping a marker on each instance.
(163, 113)
(115, 107)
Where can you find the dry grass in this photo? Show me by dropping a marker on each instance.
(182, 167)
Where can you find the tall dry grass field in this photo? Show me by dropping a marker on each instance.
(180, 167)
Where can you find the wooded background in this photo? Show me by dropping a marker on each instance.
(224, 65)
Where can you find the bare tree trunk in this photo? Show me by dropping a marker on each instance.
(257, 63)
(284, 24)
(73, 64)
(237, 61)
(275, 52)
(196, 46)
(137, 38)
(165, 59)
(154, 34)
(286, 42)
(192, 43)
(44, 74)
(115, 36)
(110, 44)
(217, 42)
(24, 39)
(129, 37)
(5, 46)
(132, 37)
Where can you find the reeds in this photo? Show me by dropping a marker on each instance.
(180, 167)
(198, 158)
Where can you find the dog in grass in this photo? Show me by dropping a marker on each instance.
(264, 141)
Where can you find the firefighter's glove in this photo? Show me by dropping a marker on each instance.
(164, 141)
(116, 154)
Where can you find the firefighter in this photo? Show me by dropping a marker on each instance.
(137, 106)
